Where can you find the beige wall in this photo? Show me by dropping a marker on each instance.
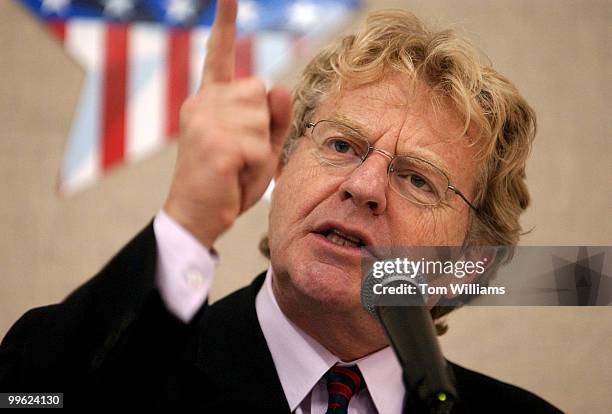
(558, 54)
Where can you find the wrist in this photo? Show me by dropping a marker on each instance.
(191, 224)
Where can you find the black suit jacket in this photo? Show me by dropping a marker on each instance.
(112, 343)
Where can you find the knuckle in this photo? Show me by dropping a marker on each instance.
(223, 164)
(260, 153)
(227, 217)
(216, 144)
(194, 113)
(256, 87)
(261, 123)
(257, 84)
(193, 128)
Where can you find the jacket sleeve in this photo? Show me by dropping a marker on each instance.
(110, 332)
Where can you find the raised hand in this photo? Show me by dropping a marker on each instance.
(232, 133)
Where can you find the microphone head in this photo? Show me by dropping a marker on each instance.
(375, 290)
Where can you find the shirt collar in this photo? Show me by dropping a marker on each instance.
(301, 361)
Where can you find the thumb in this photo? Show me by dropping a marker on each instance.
(279, 102)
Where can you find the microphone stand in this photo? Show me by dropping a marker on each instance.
(428, 379)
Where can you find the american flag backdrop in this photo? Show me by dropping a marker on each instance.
(143, 57)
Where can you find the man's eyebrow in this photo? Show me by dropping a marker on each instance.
(427, 156)
(349, 122)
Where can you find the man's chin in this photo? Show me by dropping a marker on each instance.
(329, 286)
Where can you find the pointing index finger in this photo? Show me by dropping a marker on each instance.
(221, 51)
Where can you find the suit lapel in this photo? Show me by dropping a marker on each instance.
(232, 358)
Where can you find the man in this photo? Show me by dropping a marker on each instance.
(399, 136)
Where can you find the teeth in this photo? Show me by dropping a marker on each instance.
(341, 240)
(346, 236)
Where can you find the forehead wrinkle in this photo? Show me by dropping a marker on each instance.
(385, 95)
(425, 154)
(427, 133)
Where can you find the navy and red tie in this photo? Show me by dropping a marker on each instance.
(342, 384)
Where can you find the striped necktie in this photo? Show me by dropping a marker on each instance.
(342, 384)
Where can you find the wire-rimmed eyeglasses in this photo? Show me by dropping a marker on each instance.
(413, 178)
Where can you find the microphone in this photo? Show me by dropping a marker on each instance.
(429, 380)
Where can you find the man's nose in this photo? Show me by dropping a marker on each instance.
(366, 186)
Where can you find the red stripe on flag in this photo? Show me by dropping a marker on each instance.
(114, 95)
(58, 28)
(244, 57)
(178, 76)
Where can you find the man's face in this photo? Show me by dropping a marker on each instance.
(311, 198)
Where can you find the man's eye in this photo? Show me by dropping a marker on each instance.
(341, 146)
(418, 181)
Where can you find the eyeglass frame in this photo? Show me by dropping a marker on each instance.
(372, 148)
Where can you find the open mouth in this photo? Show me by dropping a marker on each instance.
(342, 239)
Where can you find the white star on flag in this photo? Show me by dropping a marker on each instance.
(247, 13)
(54, 6)
(180, 10)
(118, 8)
(303, 15)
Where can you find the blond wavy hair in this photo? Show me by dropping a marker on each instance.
(500, 121)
